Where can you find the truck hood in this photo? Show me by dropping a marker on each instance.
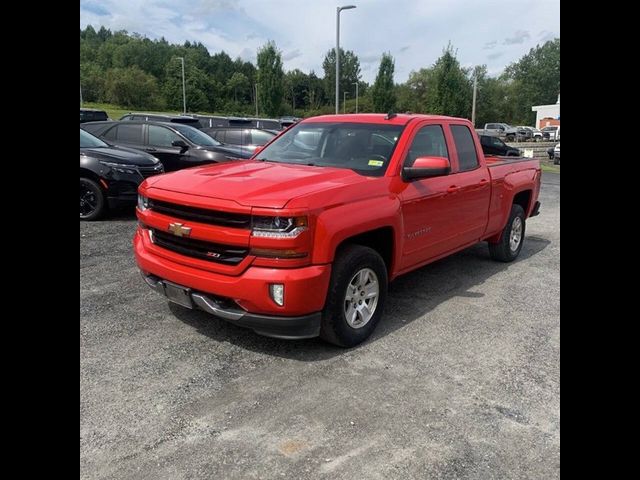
(255, 183)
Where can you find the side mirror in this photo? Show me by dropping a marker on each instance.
(180, 143)
(425, 167)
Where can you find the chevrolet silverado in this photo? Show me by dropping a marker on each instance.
(302, 239)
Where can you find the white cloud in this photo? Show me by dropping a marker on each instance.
(415, 32)
(518, 37)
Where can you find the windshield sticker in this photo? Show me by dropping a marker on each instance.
(376, 163)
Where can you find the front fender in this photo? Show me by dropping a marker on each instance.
(335, 225)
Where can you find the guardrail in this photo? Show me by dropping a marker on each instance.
(539, 149)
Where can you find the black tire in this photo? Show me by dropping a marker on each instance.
(510, 138)
(92, 200)
(502, 250)
(556, 161)
(349, 262)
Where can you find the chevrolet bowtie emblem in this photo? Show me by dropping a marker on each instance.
(179, 230)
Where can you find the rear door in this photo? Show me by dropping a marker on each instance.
(469, 188)
(127, 134)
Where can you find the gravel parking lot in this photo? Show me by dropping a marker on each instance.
(460, 380)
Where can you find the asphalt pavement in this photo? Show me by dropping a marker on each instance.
(460, 380)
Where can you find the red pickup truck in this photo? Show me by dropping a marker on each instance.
(302, 239)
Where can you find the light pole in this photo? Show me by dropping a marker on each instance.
(356, 84)
(344, 102)
(338, 10)
(184, 92)
(80, 95)
(473, 105)
(256, 85)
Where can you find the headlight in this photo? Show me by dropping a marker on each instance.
(278, 227)
(119, 167)
(143, 202)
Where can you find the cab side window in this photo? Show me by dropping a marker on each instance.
(467, 156)
(428, 142)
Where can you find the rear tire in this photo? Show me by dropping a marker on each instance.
(356, 296)
(511, 240)
(92, 200)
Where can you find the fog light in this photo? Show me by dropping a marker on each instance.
(276, 290)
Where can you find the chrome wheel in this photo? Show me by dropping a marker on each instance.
(361, 298)
(516, 234)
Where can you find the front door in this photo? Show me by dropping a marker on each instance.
(159, 145)
(427, 210)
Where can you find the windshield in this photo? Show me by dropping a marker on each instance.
(89, 141)
(363, 147)
(196, 136)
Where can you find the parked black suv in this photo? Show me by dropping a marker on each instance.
(248, 139)
(211, 121)
(91, 115)
(159, 117)
(176, 145)
(494, 146)
(109, 176)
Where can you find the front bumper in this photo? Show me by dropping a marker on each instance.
(244, 299)
(304, 326)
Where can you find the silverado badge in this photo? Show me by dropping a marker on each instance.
(179, 230)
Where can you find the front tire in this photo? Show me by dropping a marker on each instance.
(356, 296)
(511, 240)
(92, 200)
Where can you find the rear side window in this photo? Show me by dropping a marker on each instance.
(467, 156)
(236, 137)
(129, 133)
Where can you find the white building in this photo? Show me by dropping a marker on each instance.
(547, 111)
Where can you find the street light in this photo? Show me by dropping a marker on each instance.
(473, 104)
(338, 10)
(356, 84)
(344, 102)
(184, 92)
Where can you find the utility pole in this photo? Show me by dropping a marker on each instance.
(356, 84)
(473, 106)
(80, 95)
(184, 91)
(338, 10)
(256, 90)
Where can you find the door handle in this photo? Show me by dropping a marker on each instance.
(483, 180)
(150, 150)
(453, 189)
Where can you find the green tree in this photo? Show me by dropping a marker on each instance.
(131, 87)
(270, 79)
(349, 72)
(296, 88)
(451, 89)
(197, 84)
(382, 92)
(238, 81)
(92, 81)
(315, 95)
(535, 79)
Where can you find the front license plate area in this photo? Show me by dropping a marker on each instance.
(178, 294)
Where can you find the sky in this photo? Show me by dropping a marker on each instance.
(494, 33)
